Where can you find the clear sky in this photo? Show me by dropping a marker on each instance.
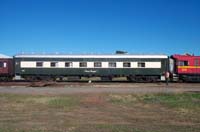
(100, 26)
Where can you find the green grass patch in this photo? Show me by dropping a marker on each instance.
(13, 98)
(122, 99)
(63, 102)
(19, 130)
(44, 113)
(25, 101)
(181, 100)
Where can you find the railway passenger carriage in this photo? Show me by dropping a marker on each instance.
(138, 68)
(134, 67)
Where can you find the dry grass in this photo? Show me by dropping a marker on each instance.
(100, 113)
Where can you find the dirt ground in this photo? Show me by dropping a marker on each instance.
(74, 88)
(100, 107)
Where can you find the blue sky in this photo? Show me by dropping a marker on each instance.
(100, 26)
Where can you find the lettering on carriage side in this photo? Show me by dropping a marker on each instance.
(90, 71)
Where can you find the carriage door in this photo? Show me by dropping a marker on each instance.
(196, 64)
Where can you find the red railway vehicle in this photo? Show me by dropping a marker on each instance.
(6, 68)
(187, 67)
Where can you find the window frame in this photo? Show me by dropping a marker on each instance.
(55, 64)
(112, 66)
(141, 64)
(70, 64)
(98, 64)
(39, 62)
(84, 64)
(126, 66)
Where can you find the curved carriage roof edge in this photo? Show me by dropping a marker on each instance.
(90, 56)
(2, 56)
(186, 55)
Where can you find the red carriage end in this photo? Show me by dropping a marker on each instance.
(187, 67)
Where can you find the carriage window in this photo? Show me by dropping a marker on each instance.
(68, 64)
(54, 64)
(97, 64)
(39, 64)
(196, 62)
(1, 65)
(141, 64)
(183, 63)
(83, 64)
(112, 64)
(126, 64)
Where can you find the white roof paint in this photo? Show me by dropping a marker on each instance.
(89, 56)
(4, 56)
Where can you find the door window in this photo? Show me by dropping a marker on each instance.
(4, 64)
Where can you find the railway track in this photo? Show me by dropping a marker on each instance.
(94, 83)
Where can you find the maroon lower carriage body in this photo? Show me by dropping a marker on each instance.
(6, 68)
